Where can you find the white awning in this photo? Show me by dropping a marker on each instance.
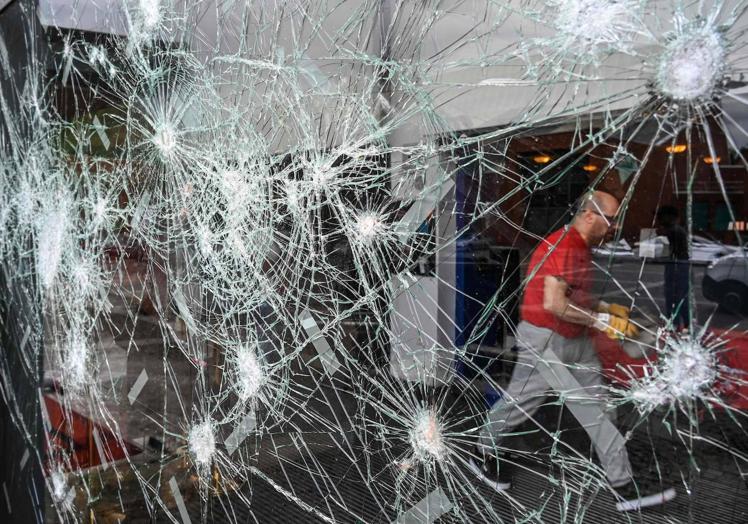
(100, 16)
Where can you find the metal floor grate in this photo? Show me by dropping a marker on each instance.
(718, 495)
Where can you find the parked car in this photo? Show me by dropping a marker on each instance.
(726, 282)
(707, 250)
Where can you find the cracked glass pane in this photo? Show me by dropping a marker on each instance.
(373, 261)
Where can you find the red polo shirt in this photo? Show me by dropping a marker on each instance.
(564, 254)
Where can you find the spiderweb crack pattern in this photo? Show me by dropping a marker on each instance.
(238, 240)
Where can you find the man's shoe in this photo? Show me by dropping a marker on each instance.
(495, 473)
(633, 497)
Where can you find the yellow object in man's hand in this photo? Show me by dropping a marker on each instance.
(619, 328)
(619, 310)
(614, 309)
(615, 327)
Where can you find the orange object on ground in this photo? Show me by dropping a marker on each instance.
(73, 435)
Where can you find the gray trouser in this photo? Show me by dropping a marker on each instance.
(548, 362)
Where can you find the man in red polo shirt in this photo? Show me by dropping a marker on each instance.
(555, 354)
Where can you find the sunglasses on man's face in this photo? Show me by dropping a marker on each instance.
(610, 220)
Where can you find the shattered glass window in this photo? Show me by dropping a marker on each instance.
(373, 261)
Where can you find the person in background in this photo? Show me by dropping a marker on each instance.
(555, 354)
(677, 267)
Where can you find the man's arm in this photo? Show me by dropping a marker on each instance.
(557, 302)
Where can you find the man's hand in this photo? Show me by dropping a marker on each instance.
(615, 327)
(619, 310)
(614, 309)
